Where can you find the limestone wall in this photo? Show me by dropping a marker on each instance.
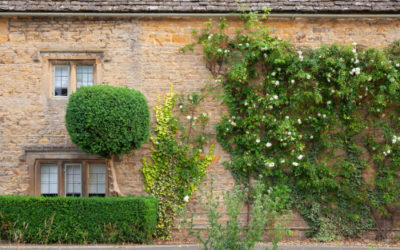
(140, 53)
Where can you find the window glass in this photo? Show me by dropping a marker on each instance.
(49, 179)
(97, 180)
(84, 75)
(61, 80)
(73, 178)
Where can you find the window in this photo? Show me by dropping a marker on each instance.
(48, 179)
(97, 180)
(68, 76)
(61, 80)
(71, 178)
(73, 174)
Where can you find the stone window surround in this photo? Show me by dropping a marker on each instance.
(73, 57)
(35, 157)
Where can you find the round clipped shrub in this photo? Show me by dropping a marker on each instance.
(108, 120)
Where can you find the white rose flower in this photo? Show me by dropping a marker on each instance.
(258, 140)
(308, 76)
(268, 144)
(295, 164)
(298, 121)
(323, 116)
(277, 83)
(186, 199)
(188, 117)
(273, 73)
(292, 81)
(300, 157)
(271, 164)
(311, 137)
(328, 102)
(275, 97)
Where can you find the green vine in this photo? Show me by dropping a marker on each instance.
(177, 163)
(315, 120)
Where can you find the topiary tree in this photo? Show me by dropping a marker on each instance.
(108, 121)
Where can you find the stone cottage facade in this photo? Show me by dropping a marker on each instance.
(48, 49)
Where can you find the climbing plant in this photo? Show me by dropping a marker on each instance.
(178, 162)
(324, 122)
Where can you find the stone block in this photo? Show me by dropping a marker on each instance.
(3, 25)
(3, 38)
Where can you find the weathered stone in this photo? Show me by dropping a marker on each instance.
(142, 53)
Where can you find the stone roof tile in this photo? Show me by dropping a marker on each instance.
(121, 6)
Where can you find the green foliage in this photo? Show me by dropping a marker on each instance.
(43, 220)
(265, 210)
(311, 119)
(108, 120)
(177, 163)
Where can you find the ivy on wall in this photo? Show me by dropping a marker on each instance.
(314, 120)
(178, 162)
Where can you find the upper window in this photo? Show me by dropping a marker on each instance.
(68, 76)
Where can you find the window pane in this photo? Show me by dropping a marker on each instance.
(61, 80)
(84, 75)
(97, 179)
(73, 179)
(48, 179)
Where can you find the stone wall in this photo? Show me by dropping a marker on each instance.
(140, 53)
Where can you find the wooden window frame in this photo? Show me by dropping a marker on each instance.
(36, 184)
(72, 73)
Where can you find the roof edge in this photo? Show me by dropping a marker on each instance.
(190, 14)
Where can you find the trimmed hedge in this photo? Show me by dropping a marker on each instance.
(108, 120)
(80, 220)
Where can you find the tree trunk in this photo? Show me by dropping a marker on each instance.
(114, 187)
